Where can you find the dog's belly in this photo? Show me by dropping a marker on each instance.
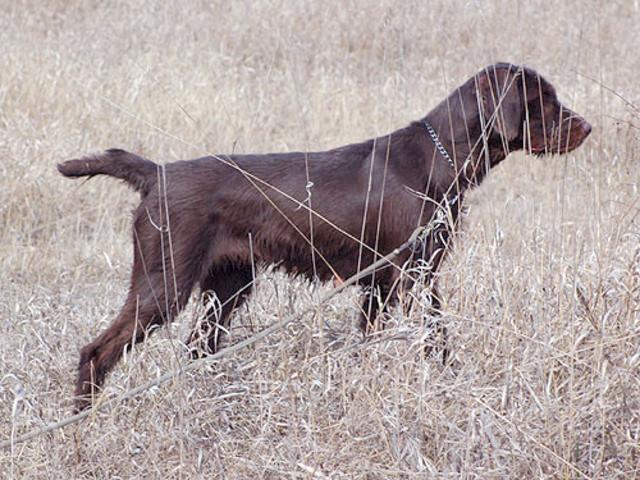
(324, 268)
(325, 260)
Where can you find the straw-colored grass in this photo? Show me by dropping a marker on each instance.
(541, 294)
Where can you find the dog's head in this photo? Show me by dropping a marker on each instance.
(521, 109)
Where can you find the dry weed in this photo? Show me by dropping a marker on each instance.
(542, 292)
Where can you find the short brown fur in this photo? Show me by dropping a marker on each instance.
(195, 218)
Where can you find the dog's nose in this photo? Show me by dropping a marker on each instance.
(586, 128)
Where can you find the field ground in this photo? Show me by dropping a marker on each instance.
(542, 291)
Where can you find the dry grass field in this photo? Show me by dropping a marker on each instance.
(541, 292)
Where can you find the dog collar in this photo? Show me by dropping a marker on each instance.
(438, 144)
(453, 197)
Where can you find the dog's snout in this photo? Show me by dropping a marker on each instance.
(586, 127)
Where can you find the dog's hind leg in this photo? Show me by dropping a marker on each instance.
(156, 295)
(224, 289)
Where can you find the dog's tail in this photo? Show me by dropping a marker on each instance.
(138, 172)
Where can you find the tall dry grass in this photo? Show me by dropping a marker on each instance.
(542, 292)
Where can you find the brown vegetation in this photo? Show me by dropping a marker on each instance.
(541, 295)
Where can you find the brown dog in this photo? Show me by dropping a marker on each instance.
(321, 214)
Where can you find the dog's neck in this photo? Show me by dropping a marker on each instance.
(472, 153)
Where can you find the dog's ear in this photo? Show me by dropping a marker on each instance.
(500, 101)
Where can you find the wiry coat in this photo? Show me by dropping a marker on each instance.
(321, 214)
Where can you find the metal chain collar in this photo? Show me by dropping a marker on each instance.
(438, 144)
(442, 218)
